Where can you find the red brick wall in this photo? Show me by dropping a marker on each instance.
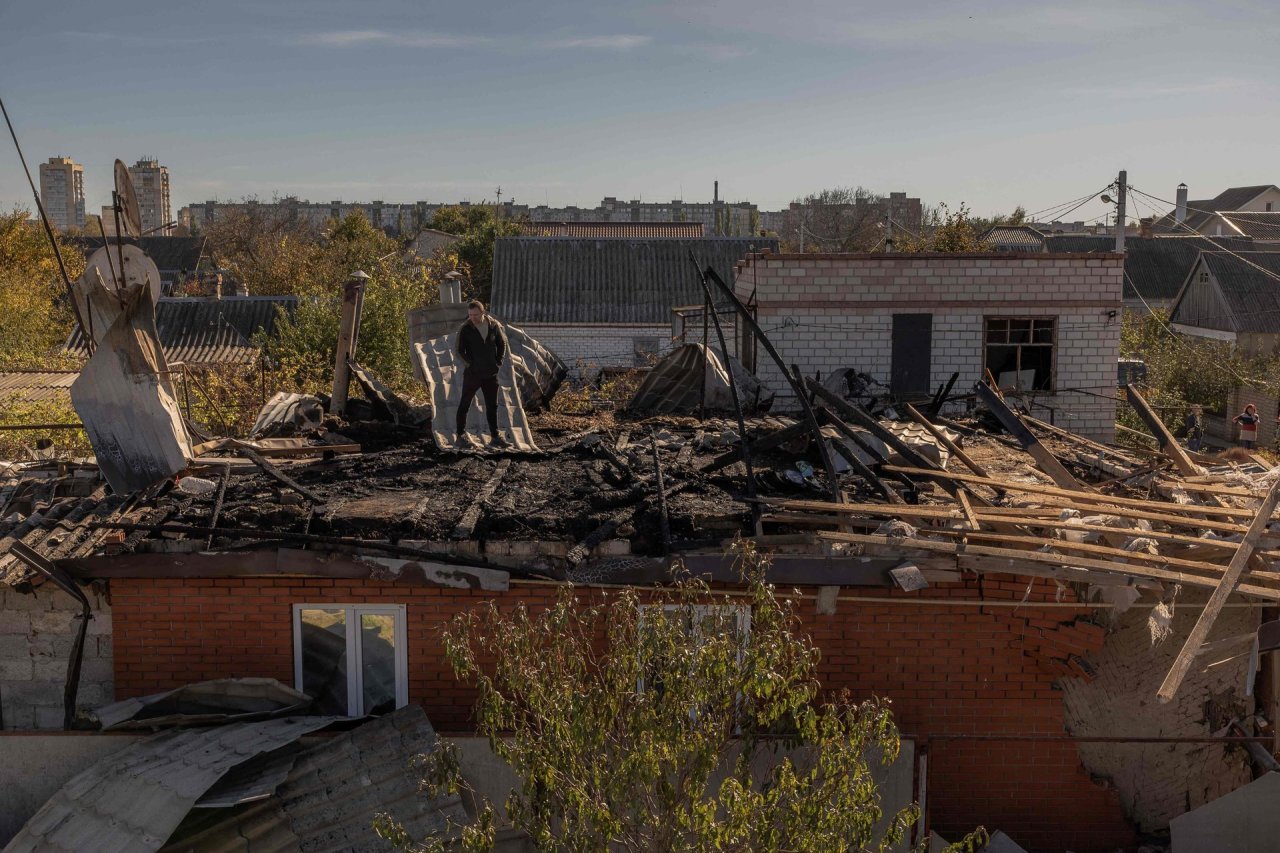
(949, 670)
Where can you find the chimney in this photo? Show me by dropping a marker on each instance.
(1144, 226)
(715, 197)
(1180, 213)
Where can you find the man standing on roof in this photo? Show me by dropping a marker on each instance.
(482, 345)
(1248, 420)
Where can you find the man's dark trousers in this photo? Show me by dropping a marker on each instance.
(472, 383)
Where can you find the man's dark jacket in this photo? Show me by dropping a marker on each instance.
(483, 356)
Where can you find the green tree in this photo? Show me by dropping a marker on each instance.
(946, 230)
(479, 226)
(634, 722)
(33, 302)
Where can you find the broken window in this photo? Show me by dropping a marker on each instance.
(351, 658)
(704, 621)
(1019, 352)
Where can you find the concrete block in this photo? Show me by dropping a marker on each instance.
(17, 668)
(48, 717)
(15, 622)
(52, 621)
(28, 693)
(100, 624)
(14, 646)
(104, 647)
(50, 668)
(96, 669)
(14, 600)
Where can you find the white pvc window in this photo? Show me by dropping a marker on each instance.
(706, 620)
(351, 658)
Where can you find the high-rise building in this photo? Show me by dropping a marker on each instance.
(62, 192)
(151, 183)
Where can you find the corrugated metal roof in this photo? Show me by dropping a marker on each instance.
(570, 280)
(1252, 294)
(210, 331)
(171, 254)
(1156, 267)
(36, 386)
(618, 230)
(332, 794)
(1258, 225)
(135, 799)
(1079, 243)
(1200, 212)
(1014, 238)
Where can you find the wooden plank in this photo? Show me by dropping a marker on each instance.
(1009, 419)
(302, 450)
(467, 524)
(1067, 435)
(1076, 497)
(1168, 444)
(950, 445)
(279, 476)
(897, 545)
(1230, 579)
(972, 519)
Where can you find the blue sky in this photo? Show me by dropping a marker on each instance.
(990, 102)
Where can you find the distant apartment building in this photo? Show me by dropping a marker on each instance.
(719, 218)
(151, 183)
(825, 224)
(62, 192)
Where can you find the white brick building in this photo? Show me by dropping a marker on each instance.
(1046, 323)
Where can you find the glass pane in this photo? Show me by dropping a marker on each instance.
(324, 659)
(378, 660)
(997, 331)
(1019, 331)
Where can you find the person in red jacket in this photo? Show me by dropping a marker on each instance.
(482, 346)
(1248, 420)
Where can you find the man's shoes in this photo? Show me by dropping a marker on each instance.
(500, 442)
(466, 442)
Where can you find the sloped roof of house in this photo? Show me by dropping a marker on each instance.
(1250, 286)
(617, 230)
(1201, 211)
(1079, 243)
(579, 280)
(36, 386)
(1260, 225)
(1014, 237)
(171, 254)
(1156, 267)
(210, 331)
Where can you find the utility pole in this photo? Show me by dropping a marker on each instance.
(888, 231)
(1122, 190)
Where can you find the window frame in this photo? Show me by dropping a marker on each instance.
(742, 613)
(1052, 345)
(355, 647)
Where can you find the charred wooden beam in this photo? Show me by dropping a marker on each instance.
(467, 524)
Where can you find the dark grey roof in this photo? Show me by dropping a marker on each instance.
(571, 280)
(616, 230)
(171, 254)
(1156, 267)
(210, 331)
(1080, 243)
(1252, 294)
(1257, 224)
(37, 386)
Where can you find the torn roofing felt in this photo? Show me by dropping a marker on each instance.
(125, 399)
(694, 377)
(134, 799)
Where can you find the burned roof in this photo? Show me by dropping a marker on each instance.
(210, 330)
(574, 280)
